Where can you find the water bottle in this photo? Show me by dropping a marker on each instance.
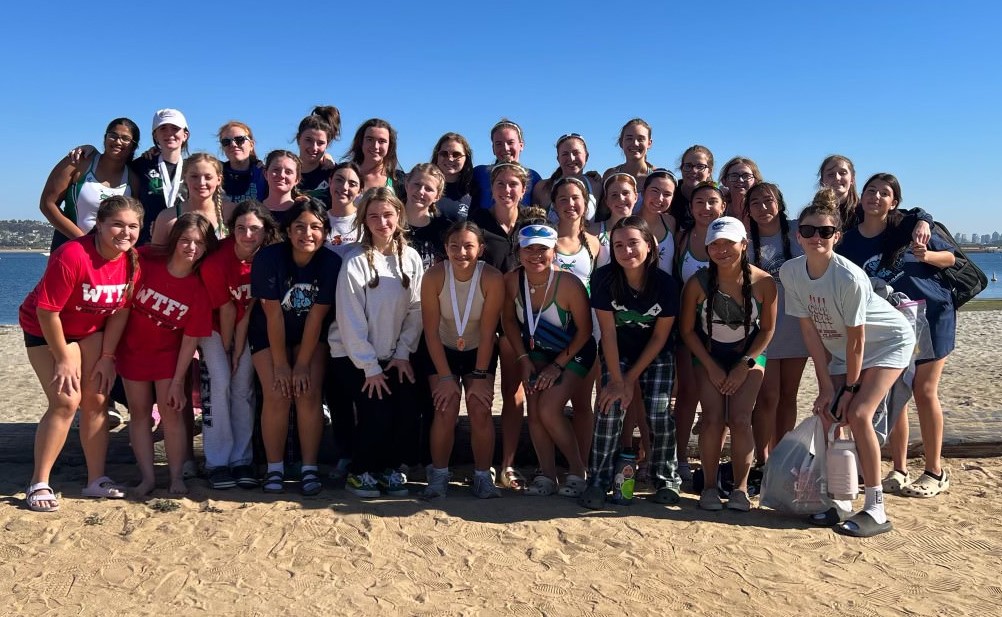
(843, 482)
(626, 467)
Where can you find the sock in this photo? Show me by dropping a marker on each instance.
(934, 476)
(306, 468)
(903, 472)
(279, 467)
(874, 504)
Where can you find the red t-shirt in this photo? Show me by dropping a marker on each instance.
(226, 278)
(81, 285)
(164, 309)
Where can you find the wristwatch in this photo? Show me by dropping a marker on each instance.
(477, 374)
(749, 361)
(852, 387)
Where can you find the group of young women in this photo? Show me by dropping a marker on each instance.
(391, 296)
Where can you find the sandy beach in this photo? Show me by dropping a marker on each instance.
(245, 553)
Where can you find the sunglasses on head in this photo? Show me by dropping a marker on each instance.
(825, 231)
(238, 140)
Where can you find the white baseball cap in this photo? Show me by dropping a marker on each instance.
(169, 116)
(543, 235)
(726, 227)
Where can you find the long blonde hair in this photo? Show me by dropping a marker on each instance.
(217, 196)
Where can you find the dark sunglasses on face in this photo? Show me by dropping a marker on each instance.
(238, 140)
(825, 231)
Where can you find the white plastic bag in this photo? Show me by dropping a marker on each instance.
(794, 477)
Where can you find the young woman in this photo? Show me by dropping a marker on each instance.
(696, 166)
(226, 274)
(83, 185)
(728, 317)
(636, 303)
(374, 150)
(454, 157)
(659, 190)
(739, 174)
(635, 139)
(315, 133)
(500, 226)
(425, 226)
(461, 302)
(345, 187)
(169, 315)
(773, 243)
(572, 156)
(243, 174)
(507, 142)
(839, 174)
(203, 176)
(882, 249)
(293, 283)
(283, 169)
(868, 341)
(547, 322)
(619, 195)
(577, 252)
(690, 256)
(72, 321)
(159, 176)
(378, 327)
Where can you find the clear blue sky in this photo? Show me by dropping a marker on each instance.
(911, 88)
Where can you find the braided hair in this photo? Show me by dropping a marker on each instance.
(784, 222)
(398, 240)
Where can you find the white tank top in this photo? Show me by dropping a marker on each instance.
(580, 264)
(88, 193)
(690, 265)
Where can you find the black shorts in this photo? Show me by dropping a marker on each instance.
(460, 362)
(30, 340)
(581, 364)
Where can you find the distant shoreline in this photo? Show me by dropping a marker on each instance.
(7, 249)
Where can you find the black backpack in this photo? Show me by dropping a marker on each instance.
(964, 278)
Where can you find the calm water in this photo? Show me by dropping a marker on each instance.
(20, 271)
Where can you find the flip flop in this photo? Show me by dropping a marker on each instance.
(103, 488)
(33, 499)
(862, 525)
(513, 479)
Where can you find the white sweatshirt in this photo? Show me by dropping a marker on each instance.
(380, 323)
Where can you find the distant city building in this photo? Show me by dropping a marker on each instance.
(996, 238)
(974, 238)
(986, 239)
(961, 238)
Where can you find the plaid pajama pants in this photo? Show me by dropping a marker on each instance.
(655, 387)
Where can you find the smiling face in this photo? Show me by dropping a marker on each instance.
(707, 206)
(726, 252)
(620, 197)
(312, 145)
(739, 178)
(119, 142)
(345, 186)
(450, 158)
(658, 194)
(463, 249)
(630, 248)
(507, 144)
(375, 145)
(837, 175)
(536, 258)
(763, 207)
(570, 202)
(423, 190)
(696, 168)
(635, 142)
(239, 144)
(119, 232)
(202, 180)
(169, 137)
(306, 233)
(283, 175)
(507, 189)
(248, 232)
(572, 156)
(382, 220)
(878, 199)
(190, 246)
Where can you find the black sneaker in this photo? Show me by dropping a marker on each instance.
(246, 477)
(220, 478)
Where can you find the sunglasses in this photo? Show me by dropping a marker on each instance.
(239, 140)
(445, 154)
(825, 231)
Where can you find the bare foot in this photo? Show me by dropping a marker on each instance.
(143, 489)
(178, 487)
